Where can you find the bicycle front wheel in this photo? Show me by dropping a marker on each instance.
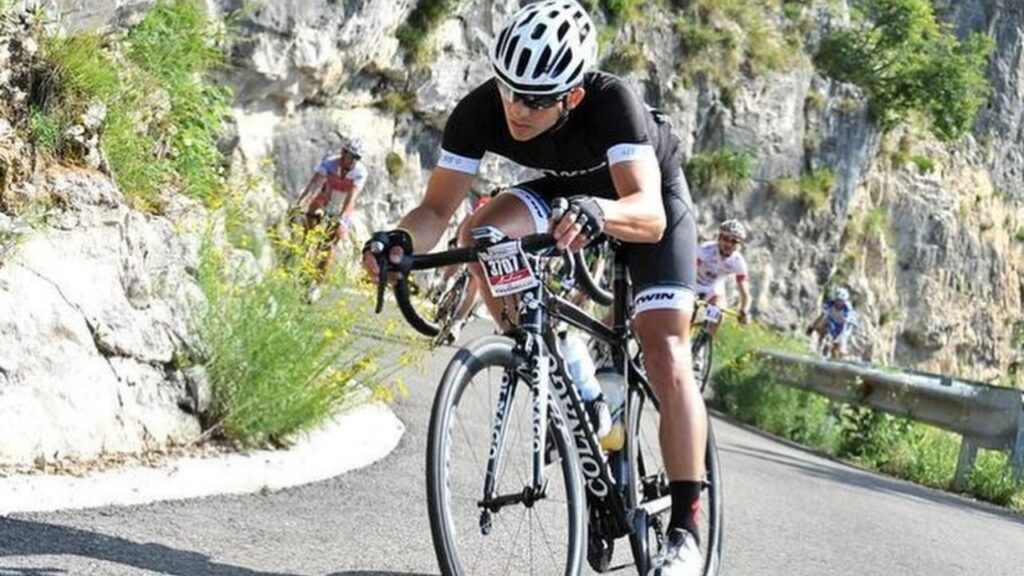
(647, 488)
(525, 534)
(702, 347)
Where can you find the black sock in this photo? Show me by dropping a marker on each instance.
(685, 506)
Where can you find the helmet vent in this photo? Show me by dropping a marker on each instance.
(510, 51)
(539, 31)
(562, 30)
(524, 61)
(543, 63)
(563, 62)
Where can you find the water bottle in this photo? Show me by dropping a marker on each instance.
(613, 385)
(581, 367)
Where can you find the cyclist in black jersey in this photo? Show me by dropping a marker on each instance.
(617, 162)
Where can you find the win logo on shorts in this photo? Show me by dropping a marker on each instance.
(655, 297)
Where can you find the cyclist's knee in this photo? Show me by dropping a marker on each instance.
(661, 335)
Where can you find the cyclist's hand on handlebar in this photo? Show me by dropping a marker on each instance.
(391, 245)
(575, 221)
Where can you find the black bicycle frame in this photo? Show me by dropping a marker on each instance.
(547, 373)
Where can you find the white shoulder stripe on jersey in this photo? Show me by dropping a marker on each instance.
(627, 152)
(458, 163)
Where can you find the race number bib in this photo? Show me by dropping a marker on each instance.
(506, 269)
(713, 315)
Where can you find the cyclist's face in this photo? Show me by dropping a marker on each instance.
(727, 245)
(527, 119)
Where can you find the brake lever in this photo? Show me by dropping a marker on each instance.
(377, 249)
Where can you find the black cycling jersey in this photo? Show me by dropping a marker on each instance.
(611, 117)
(610, 125)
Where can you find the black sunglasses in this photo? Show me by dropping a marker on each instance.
(531, 101)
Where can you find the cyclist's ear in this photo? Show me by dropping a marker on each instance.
(574, 97)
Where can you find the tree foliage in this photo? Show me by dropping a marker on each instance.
(908, 61)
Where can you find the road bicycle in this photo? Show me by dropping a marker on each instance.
(517, 482)
(706, 318)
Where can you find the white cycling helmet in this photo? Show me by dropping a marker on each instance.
(356, 147)
(733, 228)
(545, 48)
(840, 293)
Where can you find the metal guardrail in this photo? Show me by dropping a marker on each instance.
(986, 416)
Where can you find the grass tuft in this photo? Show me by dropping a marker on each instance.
(163, 115)
(721, 170)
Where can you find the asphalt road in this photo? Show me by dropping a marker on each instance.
(788, 512)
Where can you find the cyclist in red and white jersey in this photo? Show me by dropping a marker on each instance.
(719, 259)
(330, 197)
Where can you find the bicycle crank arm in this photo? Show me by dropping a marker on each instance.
(657, 506)
(527, 497)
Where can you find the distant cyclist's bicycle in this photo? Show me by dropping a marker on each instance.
(706, 318)
(517, 482)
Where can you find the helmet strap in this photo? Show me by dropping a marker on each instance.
(563, 114)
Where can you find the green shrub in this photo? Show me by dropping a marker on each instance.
(876, 222)
(815, 101)
(163, 115)
(77, 72)
(753, 392)
(992, 479)
(626, 58)
(812, 189)
(45, 130)
(816, 186)
(722, 39)
(721, 170)
(622, 11)
(278, 365)
(785, 188)
(395, 164)
(908, 62)
(397, 101)
(414, 33)
(924, 164)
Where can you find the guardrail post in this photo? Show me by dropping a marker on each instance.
(968, 453)
(1017, 455)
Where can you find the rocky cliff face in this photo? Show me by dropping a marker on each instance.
(931, 255)
(931, 252)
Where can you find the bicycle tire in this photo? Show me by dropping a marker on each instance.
(589, 281)
(702, 350)
(648, 481)
(444, 479)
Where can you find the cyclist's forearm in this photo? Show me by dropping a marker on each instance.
(744, 297)
(314, 183)
(634, 218)
(350, 202)
(425, 226)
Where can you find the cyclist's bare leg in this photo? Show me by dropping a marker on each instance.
(511, 216)
(468, 299)
(665, 339)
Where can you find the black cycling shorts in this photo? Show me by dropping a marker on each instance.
(658, 271)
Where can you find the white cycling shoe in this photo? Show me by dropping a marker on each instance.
(680, 557)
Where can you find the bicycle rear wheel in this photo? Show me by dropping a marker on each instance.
(546, 536)
(647, 485)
